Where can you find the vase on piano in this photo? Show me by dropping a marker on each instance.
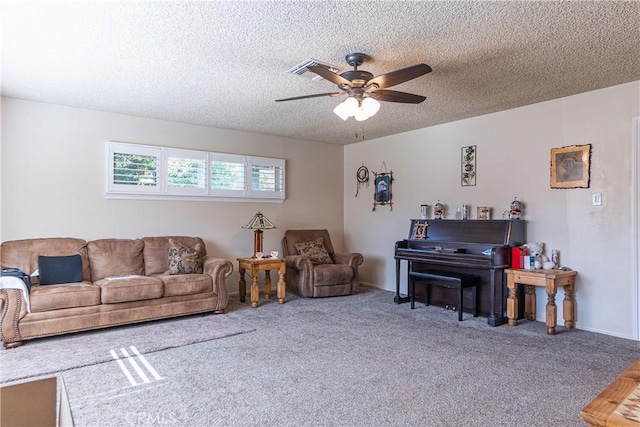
(424, 209)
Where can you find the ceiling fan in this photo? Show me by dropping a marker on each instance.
(363, 90)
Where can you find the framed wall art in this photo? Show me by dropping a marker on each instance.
(468, 167)
(571, 166)
(483, 212)
(382, 192)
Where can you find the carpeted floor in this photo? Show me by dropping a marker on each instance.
(359, 360)
(55, 354)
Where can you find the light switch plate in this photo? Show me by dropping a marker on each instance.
(596, 199)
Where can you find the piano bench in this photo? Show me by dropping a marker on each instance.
(446, 279)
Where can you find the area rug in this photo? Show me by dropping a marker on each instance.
(45, 356)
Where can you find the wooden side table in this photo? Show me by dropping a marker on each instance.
(619, 404)
(549, 279)
(254, 266)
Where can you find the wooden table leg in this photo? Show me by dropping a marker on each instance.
(242, 286)
(552, 310)
(512, 301)
(568, 307)
(255, 290)
(267, 284)
(281, 285)
(530, 302)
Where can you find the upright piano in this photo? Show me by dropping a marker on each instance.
(479, 247)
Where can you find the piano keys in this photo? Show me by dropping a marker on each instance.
(480, 247)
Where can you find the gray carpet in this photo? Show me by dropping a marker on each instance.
(55, 354)
(359, 360)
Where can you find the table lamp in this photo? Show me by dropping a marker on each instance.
(258, 223)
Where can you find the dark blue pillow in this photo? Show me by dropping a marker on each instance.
(60, 269)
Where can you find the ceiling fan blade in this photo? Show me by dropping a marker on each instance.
(329, 75)
(396, 96)
(399, 76)
(317, 95)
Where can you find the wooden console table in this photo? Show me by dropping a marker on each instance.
(549, 279)
(254, 266)
(619, 404)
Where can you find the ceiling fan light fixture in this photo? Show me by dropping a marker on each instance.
(361, 115)
(347, 108)
(370, 106)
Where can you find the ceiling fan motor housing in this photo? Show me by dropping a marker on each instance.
(357, 77)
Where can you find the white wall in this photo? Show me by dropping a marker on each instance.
(513, 160)
(53, 166)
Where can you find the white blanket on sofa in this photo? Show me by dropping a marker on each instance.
(10, 282)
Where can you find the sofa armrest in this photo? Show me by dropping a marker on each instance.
(298, 262)
(219, 269)
(352, 259)
(12, 310)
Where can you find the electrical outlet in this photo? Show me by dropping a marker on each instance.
(596, 199)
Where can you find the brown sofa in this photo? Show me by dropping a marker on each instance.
(336, 275)
(104, 297)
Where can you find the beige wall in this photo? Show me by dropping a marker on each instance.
(53, 169)
(53, 185)
(513, 161)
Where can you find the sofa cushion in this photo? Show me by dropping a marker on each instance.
(315, 251)
(156, 252)
(186, 284)
(54, 270)
(115, 257)
(54, 297)
(183, 259)
(23, 254)
(332, 274)
(133, 288)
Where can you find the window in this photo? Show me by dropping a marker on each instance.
(227, 175)
(267, 177)
(148, 172)
(186, 172)
(133, 169)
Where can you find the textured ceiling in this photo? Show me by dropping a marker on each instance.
(223, 64)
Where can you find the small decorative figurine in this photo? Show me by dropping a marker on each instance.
(515, 211)
(438, 210)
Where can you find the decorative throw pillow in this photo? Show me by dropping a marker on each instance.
(315, 251)
(183, 259)
(60, 269)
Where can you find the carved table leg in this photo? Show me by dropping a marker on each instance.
(267, 284)
(512, 301)
(281, 285)
(552, 310)
(568, 308)
(530, 302)
(242, 286)
(255, 290)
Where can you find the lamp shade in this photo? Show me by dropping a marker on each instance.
(259, 222)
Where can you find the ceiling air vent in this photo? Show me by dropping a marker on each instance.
(302, 70)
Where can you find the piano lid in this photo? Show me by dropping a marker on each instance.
(489, 232)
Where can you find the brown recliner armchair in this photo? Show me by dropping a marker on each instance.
(318, 276)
